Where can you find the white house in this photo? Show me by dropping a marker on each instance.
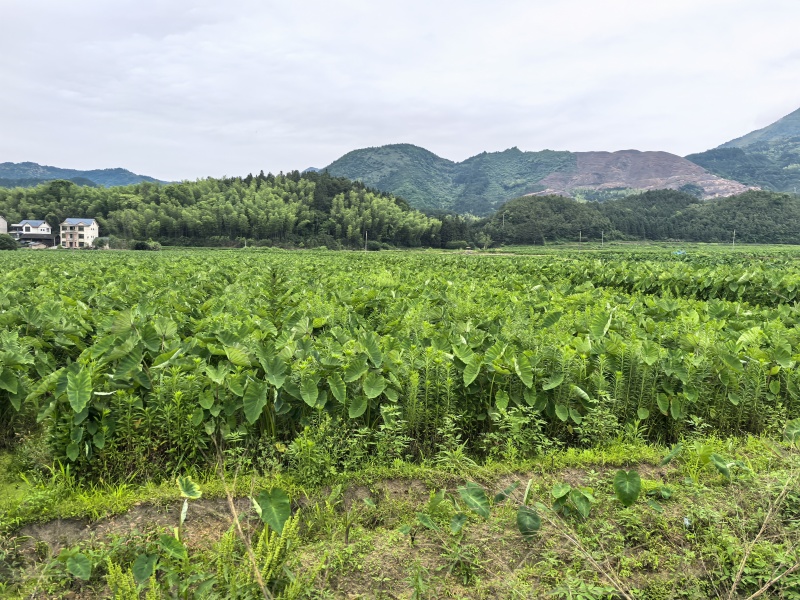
(3, 225)
(79, 233)
(30, 227)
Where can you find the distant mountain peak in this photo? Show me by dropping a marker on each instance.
(768, 157)
(481, 183)
(34, 172)
(783, 129)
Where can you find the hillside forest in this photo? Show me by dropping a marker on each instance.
(316, 209)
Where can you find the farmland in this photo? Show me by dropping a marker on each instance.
(305, 373)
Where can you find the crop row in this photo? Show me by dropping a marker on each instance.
(134, 363)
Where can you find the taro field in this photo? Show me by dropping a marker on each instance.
(141, 366)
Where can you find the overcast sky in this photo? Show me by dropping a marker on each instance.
(188, 89)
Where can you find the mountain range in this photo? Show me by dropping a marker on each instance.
(768, 158)
(26, 174)
(480, 184)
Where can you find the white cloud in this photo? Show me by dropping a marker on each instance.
(190, 89)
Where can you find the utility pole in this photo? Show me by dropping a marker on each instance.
(580, 236)
(602, 238)
(734, 238)
(365, 241)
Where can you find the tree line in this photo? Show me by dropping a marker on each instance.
(291, 209)
(756, 216)
(316, 209)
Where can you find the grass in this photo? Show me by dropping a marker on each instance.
(690, 545)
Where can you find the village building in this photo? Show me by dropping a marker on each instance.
(32, 231)
(79, 233)
(3, 225)
(28, 227)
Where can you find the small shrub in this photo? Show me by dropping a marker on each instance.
(7, 242)
(148, 245)
(456, 245)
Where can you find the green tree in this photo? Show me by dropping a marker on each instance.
(7, 242)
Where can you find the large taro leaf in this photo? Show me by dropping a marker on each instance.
(358, 406)
(373, 349)
(275, 508)
(553, 381)
(501, 400)
(374, 384)
(274, 369)
(522, 366)
(599, 324)
(551, 318)
(472, 368)
(79, 389)
(143, 567)
(627, 485)
(426, 521)
(338, 388)
(172, 547)
(457, 523)
(79, 566)
(254, 400)
(581, 501)
(731, 361)
(528, 522)
(309, 390)
(474, 496)
(721, 465)
(237, 356)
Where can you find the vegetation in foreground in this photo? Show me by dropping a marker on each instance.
(617, 388)
(625, 521)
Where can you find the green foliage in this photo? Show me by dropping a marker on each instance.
(541, 219)
(275, 508)
(768, 157)
(568, 501)
(792, 432)
(134, 367)
(476, 185)
(188, 488)
(627, 486)
(756, 216)
(528, 522)
(7, 242)
(475, 498)
(313, 209)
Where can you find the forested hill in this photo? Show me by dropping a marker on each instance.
(28, 174)
(309, 209)
(756, 216)
(768, 158)
(480, 184)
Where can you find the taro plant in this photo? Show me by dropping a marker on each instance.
(461, 558)
(568, 501)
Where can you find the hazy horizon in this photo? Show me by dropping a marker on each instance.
(196, 89)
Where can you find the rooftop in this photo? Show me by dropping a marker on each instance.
(73, 221)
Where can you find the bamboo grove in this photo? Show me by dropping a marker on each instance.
(142, 365)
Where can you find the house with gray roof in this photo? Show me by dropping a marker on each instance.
(79, 232)
(33, 231)
(28, 227)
